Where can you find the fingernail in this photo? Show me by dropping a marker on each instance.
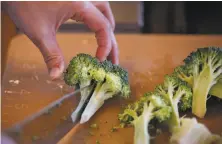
(54, 73)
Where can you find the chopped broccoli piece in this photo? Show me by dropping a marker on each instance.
(115, 83)
(82, 71)
(202, 70)
(98, 82)
(139, 114)
(176, 93)
(192, 132)
(185, 74)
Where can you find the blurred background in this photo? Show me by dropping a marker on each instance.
(163, 17)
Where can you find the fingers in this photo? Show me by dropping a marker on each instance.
(105, 8)
(96, 21)
(52, 55)
(114, 54)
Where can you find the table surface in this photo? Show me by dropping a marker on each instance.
(147, 58)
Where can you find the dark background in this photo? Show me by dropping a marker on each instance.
(159, 17)
(200, 17)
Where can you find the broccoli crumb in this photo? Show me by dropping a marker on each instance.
(91, 133)
(97, 142)
(35, 138)
(94, 126)
(114, 129)
(64, 118)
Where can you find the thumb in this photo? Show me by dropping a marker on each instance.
(52, 55)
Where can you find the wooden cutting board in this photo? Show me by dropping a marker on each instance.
(26, 86)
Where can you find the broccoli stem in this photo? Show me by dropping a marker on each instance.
(97, 99)
(141, 134)
(93, 105)
(201, 88)
(216, 90)
(85, 93)
(173, 121)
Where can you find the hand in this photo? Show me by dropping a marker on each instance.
(40, 21)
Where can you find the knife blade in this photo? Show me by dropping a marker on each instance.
(63, 128)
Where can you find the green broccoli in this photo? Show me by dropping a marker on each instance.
(202, 70)
(216, 90)
(115, 83)
(184, 73)
(98, 82)
(82, 71)
(192, 132)
(176, 93)
(139, 114)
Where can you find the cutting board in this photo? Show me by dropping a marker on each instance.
(26, 86)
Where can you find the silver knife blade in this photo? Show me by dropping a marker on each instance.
(18, 126)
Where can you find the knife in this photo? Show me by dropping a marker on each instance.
(16, 129)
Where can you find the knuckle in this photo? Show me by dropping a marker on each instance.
(81, 5)
(54, 60)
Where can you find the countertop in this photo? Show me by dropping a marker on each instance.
(147, 58)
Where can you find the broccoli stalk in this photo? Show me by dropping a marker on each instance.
(206, 67)
(175, 91)
(192, 132)
(102, 92)
(185, 74)
(113, 85)
(141, 124)
(152, 106)
(82, 71)
(202, 71)
(85, 94)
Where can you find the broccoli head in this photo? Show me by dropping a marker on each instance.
(202, 71)
(139, 114)
(176, 93)
(82, 71)
(115, 83)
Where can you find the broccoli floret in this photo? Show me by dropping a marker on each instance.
(82, 71)
(202, 70)
(176, 93)
(192, 132)
(115, 83)
(139, 114)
